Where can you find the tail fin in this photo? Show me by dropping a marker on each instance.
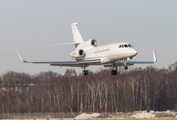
(76, 35)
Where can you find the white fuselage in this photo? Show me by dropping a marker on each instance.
(88, 53)
(107, 53)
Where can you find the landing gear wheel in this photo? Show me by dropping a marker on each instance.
(126, 67)
(84, 72)
(114, 72)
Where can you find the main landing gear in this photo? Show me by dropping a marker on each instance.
(84, 72)
(114, 72)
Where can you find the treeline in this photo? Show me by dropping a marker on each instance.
(147, 88)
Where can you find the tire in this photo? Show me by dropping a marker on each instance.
(112, 72)
(126, 67)
(86, 72)
(83, 72)
(115, 72)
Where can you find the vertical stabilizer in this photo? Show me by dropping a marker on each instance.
(76, 35)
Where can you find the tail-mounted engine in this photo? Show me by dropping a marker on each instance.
(87, 44)
(93, 42)
(77, 54)
(80, 53)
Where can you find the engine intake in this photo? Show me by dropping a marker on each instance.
(81, 52)
(77, 54)
(93, 42)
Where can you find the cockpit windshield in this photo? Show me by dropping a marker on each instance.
(125, 45)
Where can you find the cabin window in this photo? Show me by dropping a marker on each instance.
(126, 45)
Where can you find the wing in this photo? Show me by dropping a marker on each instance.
(144, 62)
(64, 63)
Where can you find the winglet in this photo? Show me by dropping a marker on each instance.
(21, 57)
(154, 57)
(145, 62)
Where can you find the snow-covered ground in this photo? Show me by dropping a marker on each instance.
(143, 115)
(136, 114)
(87, 116)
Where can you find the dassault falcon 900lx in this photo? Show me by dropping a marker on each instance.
(88, 53)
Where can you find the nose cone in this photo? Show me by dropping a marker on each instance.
(133, 52)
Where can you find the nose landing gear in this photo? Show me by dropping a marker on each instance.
(84, 72)
(125, 65)
(114, 72)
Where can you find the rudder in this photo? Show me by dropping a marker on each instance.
(76, 34)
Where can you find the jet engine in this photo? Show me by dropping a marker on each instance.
(93, 42)
(81, 52)
(77, 54)
(87, 44)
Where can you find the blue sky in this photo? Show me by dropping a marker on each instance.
(30, 26)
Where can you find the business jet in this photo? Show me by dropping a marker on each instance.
(87, 53)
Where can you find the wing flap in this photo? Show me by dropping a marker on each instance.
(70, 62)
(117, 64)
(139, 62)
(75, 63)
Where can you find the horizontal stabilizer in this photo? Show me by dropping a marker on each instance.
(64, 44)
